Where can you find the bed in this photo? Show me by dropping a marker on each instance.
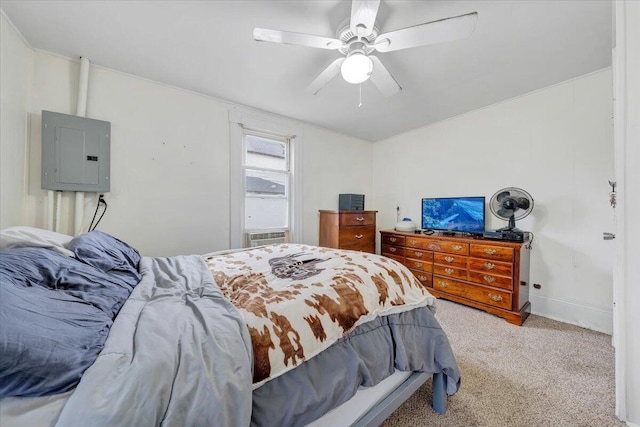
(271, 336)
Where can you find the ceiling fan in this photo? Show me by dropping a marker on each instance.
(358, 40)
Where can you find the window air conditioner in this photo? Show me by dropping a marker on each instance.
(261, 239)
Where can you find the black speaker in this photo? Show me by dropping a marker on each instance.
(351, 202)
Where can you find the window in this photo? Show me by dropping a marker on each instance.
(266, 182)
(265, 200)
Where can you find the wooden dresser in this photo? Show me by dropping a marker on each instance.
(353, 230)
(487, 274)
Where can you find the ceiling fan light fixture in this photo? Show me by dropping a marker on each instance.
(356, 68)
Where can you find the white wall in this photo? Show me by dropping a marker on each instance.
(170, 160)
(557, 144)
(333, 164)
(169, 150)
(15, 67)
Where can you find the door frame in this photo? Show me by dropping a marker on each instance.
(626, 278)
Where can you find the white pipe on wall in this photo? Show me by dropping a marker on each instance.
(78, 216)
(83, 86)
(50, 209)
(58, 204)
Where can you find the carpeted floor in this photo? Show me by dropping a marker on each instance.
(544, 373)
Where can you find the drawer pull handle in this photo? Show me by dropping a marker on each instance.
(418, 265)
(418, 254)
(496, 298)
(449, 270)
(489, 265)
(360, 219)
(490, 251)
(489, 279)
(413, 242)
(422, 278)
(457, 247)
(392, 239)
(449, 259)
(392, 249)
(358, 236)
(444, 284)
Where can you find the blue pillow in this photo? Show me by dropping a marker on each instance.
(37, 267)
(47, 340)
(107, 253)
(55, 315)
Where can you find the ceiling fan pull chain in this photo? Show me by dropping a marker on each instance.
(360, 104)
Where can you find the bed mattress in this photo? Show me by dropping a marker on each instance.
(180, 351)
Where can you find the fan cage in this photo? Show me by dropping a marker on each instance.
(495, 205)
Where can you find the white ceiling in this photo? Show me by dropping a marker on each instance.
(208, 47)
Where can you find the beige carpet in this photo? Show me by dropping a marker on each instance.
(544, 373)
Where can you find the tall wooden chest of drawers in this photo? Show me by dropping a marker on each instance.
(353, 230)
(487, 274)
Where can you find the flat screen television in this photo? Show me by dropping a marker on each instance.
(462, 214)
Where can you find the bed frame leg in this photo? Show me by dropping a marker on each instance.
(440, 392)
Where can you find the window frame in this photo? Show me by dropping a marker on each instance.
(243, 121)
(287, 140)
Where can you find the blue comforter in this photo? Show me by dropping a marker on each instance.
(56, 311)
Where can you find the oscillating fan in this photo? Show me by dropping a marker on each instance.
(358, 38)
(511, 204)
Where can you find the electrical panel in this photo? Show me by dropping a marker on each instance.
(75, 153)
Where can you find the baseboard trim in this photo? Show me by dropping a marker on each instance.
(572, 313)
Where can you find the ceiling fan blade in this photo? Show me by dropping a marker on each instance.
(330, 72)
(298, 39)
(383, 80)
(443, 30)
(363, 16)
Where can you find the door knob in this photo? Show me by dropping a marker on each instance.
(608, 236)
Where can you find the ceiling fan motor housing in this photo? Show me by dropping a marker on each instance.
(359, 35)
(352, 41)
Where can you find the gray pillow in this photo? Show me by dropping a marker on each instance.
(31, 237)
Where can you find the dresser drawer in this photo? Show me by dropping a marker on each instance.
(491, 266)
(348, 219)
(393, 250)
(490, 279)
(395, 258)
(452, 260)
(437, 245)
(416, 242)
(498, 253)
(393, 239)
(445, 270)
(480, 294)
(425, 278)
(418, 255)
(448, 247)
(418, 265)
(353, 235)
(361, 246)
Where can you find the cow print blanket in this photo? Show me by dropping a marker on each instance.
(297, 300)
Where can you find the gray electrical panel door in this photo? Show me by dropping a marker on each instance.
(75, 153)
